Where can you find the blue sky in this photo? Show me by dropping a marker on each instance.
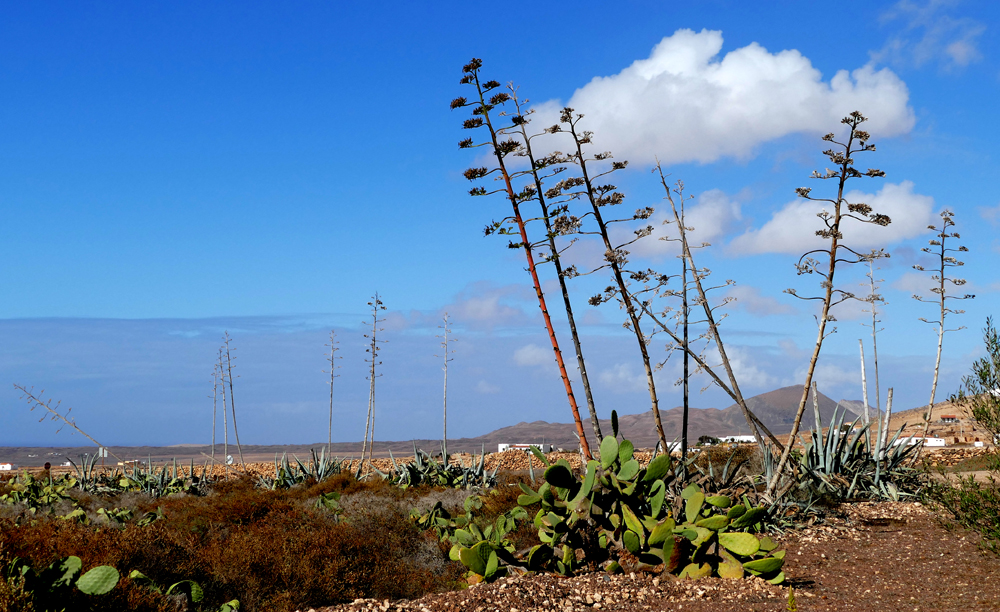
(171, 171)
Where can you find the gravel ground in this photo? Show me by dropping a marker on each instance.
(874, 556)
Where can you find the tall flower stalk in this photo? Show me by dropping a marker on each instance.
(944, 261)
(835, 252)
(332, 359)
(228, 375)
(564, 224)
(483, 117)
(373, 362)
(446, 352)
(615, 255)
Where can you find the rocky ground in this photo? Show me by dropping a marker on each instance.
(884, 556)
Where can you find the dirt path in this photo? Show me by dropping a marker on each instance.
(888, 556)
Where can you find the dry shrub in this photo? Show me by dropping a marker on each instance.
(270, 549)
(746, 454)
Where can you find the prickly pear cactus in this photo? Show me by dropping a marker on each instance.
(98, 580)
(618, 511)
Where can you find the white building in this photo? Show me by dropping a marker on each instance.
(545, 448)
(914, 440)
(6, 467)
(738, 439)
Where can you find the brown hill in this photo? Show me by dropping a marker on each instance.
(776, 409)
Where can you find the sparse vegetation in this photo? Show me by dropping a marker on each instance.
(323, 531)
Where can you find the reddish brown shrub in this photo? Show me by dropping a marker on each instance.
(269, 549)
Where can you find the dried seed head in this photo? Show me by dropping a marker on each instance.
(508, 146)
(861, 208)
(458, 102)
(476, 173)
(473, 66)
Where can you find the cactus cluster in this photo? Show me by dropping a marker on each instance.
(485, 551)
(621, 513)
(618, 514)
(37, 493)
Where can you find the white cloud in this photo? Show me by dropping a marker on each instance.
(991, 214)
(620, 378)
(745, 368)
(708, 217)
(485, 304)
(750, 299)
(919, 283)
(829, 376)
(685, 104)
(928, 34)
(533, 355)
(487, 388)
(792, 229)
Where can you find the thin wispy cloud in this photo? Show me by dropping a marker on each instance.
(930, 34)
(751, 300)
(990, 214)
(532, 355)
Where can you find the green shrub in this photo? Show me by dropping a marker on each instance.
(972, 504)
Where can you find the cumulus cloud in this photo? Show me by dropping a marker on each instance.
(746, 368)
(621, 378)
(533, 355)
(929, 34)
(683, 103)
(792, 229)
(750, 299)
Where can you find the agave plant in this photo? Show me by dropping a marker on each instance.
(287, 475)
(167, 480)
(842, 465)
(424, 470)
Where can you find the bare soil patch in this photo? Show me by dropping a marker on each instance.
(872, 556)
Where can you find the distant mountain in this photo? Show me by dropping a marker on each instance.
(776, 409)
